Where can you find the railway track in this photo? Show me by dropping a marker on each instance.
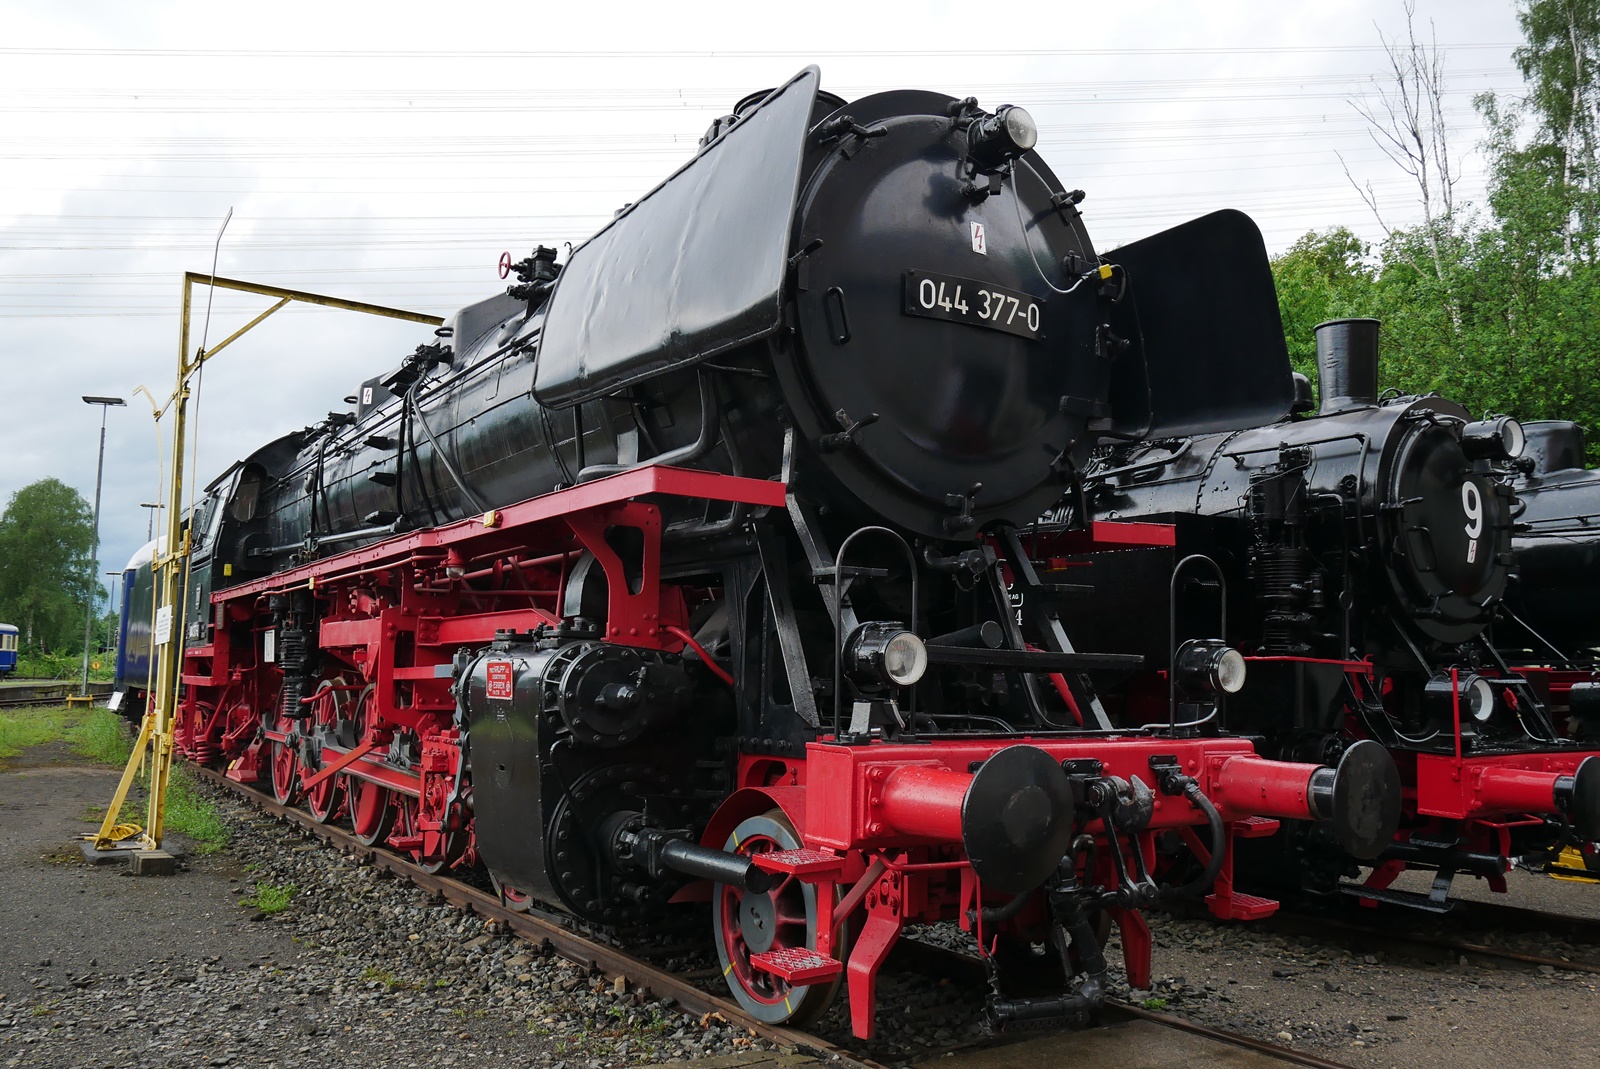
(21, 694)
(1393, 934)
(1207, 1044)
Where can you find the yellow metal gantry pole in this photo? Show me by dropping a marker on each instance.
(170, 568)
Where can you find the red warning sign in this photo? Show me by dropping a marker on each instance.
(499, 681)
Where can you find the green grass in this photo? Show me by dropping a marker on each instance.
(21, 729)
(102, 736)
(271, 897)
(98, 734)
(1154, 1003)
(190, 814)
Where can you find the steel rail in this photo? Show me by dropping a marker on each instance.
(1261, 1046)
(1507, 917)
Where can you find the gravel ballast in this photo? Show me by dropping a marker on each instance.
(100, 969)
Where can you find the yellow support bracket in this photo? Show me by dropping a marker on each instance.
(111, 833)
(171, 568)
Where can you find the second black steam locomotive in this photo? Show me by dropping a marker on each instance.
(1359, 551)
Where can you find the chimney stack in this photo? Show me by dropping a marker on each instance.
(1347, 364)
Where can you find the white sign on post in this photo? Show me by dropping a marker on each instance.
(163, 625)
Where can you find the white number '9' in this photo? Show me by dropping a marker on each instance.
(1472, 505)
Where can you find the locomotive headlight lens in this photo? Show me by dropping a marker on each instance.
(1513, 437)
(905, 658)
(1468, 695)
(882, 652)
(1500, 438)
(1477, 698)
(1020, 127)
(1210, 665)
(1229, 672)
(1005, 135)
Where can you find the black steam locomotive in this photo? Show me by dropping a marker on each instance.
(1359, 554)
(685, 571)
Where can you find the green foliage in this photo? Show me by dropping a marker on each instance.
(191, 814)
(1560, 61)
(1498, 309)
(1321, 276)
(66, 664)
(46, 575)
(274, 898)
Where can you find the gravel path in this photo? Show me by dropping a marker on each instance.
(100, 969)
(1372, 1009)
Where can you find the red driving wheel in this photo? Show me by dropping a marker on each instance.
(284, 763)
(371, 807)
(745, 924)
(325, 799)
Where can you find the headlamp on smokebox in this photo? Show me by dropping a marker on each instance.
(1474, 693)
(882, 653)
(1209, 667)
(1500, 438)
(997, 139)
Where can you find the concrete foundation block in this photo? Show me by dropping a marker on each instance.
(152, 863)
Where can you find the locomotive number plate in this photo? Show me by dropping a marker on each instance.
(966, 300)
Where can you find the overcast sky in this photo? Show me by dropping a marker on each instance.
(390, 152)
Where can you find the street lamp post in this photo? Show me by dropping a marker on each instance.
(150, 528)
(105, 403)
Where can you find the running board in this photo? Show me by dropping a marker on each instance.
(1408, 899)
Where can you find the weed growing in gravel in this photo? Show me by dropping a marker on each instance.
(1154, 1003)
(383, 976)
(271, 898)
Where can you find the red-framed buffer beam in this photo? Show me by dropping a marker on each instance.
(1490, 787)
(1497, 790)
(890, 826)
